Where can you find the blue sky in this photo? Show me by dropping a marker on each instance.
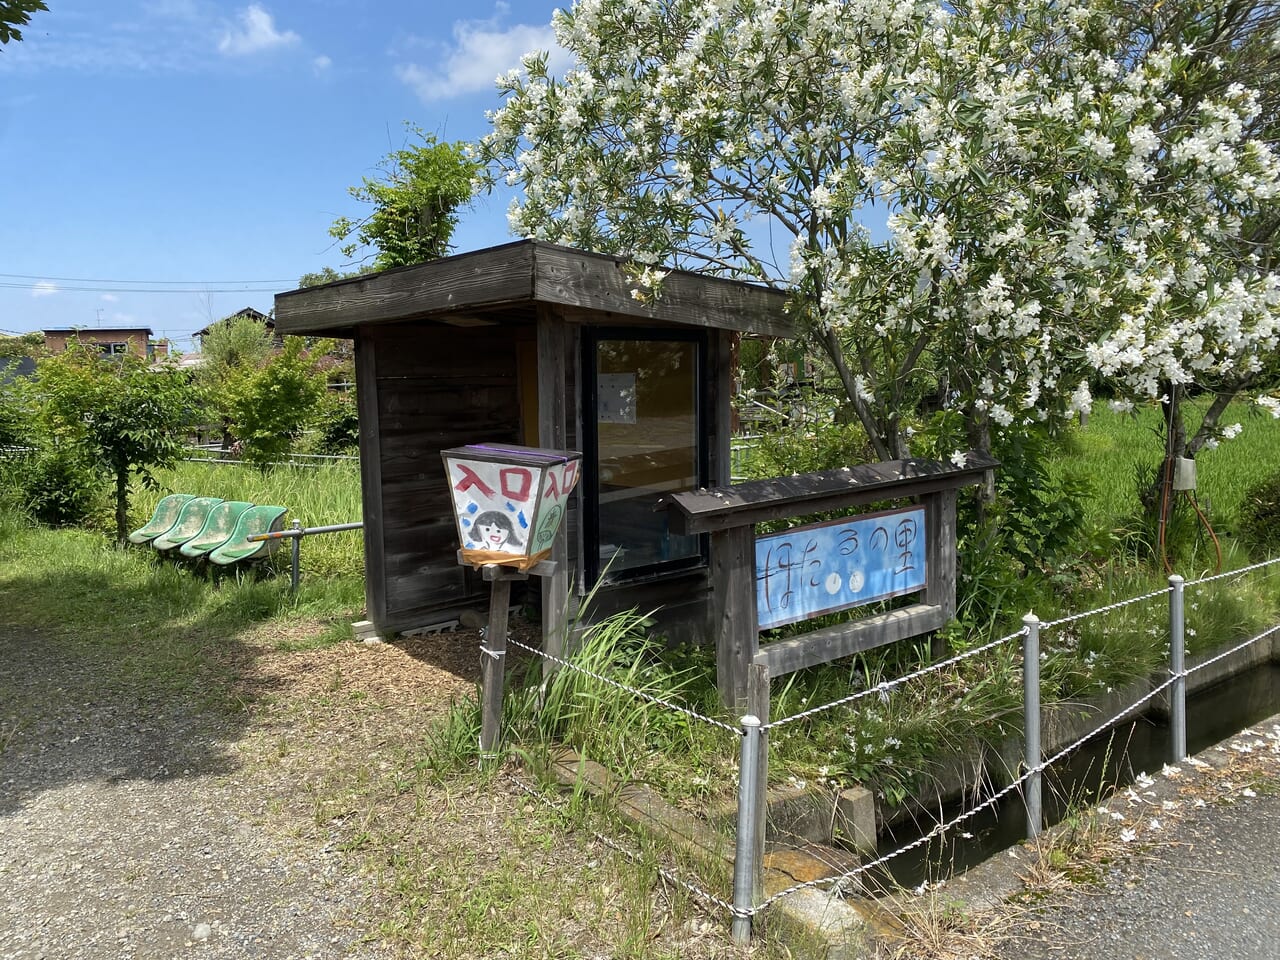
(197, 145)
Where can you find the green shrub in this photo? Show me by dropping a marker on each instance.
(800, 433)
(58, 486)
(1259, 524)
(994, 587)
(338, 425)
(1022, 547)
(13, 427)
(269, 407)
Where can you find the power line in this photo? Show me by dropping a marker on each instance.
(187, 283)
(197, 290)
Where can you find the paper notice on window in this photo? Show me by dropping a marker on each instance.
(616, 398)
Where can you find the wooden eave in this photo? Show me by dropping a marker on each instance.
(519, 276)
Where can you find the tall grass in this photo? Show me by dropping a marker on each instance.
(613, 723)
(626, 732)
(1120, 448)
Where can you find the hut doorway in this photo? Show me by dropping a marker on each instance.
(645, 426)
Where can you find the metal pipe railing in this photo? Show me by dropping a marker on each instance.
(747, 853)
(1177, 671)
(1031, 722)
(296, 533)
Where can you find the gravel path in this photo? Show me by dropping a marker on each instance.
(130, 829)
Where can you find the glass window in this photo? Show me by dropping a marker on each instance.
(648, 442)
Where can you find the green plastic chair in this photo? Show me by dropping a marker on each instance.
(253, 521)
(190, 521)
(165, 515)
(217, 529)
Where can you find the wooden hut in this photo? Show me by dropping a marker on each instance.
(540, 345)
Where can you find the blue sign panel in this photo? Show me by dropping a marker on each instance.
(824, 567)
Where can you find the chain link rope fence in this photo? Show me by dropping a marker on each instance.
(732, 907)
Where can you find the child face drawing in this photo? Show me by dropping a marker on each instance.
(493, 535)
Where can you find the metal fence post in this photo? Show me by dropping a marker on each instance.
(297, 551)
(745, 852)
(1177, 670)
(1031, 722)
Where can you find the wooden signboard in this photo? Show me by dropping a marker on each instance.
(820, 568)
(509, 501)
(771, 580)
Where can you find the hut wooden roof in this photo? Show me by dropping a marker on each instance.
(505, 284)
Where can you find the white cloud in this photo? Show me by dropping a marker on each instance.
(44, 288)
(110, 297)
(258, 32)
(321, 63)
(479, 53)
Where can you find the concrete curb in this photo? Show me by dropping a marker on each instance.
(833, 927)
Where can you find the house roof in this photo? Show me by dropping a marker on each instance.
(97, 331)
(185, 361)
(245, 312)
(505, 284)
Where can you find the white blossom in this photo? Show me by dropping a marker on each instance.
(683, 121)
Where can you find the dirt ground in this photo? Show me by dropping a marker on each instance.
(278, 807)
(136, 824)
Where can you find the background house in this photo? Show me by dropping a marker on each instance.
(277, 340)
(111, 341)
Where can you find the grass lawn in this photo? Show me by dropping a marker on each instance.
(1117, 448)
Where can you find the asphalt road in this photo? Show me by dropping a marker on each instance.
(1200, 882)
(1214, 893)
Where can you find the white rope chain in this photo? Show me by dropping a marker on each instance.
(1071, 618)
(1236, 649)
(887, 685)
(883, 689)
(736, 731)
(1233, 573)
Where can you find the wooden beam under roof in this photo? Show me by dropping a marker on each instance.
(757, 501)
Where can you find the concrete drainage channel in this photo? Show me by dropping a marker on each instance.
(1244, 686)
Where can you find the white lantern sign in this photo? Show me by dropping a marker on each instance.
(509, 501)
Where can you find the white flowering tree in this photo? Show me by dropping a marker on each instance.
(1239, 44)
(1062, 188)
